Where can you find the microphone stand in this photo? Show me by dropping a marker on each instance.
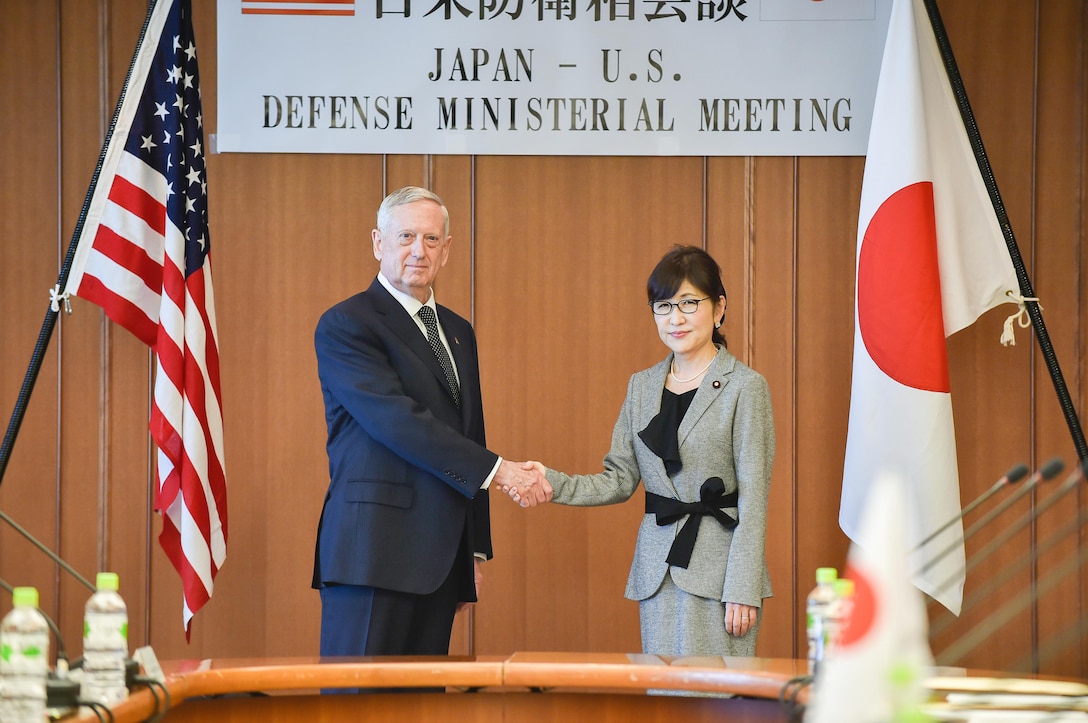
(1011, 477)
(1046, 472)
(1009, 532)
(52, 555)
(967, 642)
(1010, 571)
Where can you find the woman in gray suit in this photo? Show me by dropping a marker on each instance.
(697, 430)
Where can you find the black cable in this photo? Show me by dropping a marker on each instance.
(157, 713)
(787, 696)
(162, 705)
(97, 713)
(98, 709)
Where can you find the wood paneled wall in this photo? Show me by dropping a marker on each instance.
(549, 260)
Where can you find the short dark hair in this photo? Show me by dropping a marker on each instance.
(692, 264)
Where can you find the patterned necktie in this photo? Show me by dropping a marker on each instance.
(426, 314)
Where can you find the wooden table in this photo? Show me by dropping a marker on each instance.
(526, 686)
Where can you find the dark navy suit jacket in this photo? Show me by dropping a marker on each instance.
(405, 464)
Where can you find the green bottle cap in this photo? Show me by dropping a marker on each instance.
(844, 587)
(826, 574)
(107, 581)
(25, 596)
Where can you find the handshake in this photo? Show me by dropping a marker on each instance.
(524, 482)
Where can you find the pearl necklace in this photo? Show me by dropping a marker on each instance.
(699, 373)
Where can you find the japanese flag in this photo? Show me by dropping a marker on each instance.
(931, 259)
(876, 672)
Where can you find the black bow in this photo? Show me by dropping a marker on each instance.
(712, 501)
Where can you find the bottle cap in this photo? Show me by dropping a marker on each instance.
(107, 581)
(844, 587)
(826, 574)
(25, 596)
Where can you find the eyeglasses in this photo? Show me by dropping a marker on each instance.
(686, 306)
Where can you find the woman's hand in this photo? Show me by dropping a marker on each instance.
(739, 619)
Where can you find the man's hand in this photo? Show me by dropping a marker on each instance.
(524, 482)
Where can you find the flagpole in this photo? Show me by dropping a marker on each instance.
(1026, 291)
(50, 323)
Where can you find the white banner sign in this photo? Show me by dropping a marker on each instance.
(549, 77)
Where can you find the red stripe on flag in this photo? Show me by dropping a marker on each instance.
(118, 308)
(139, 202)
(196, 595)
(115, 254)
(192, 495)
(170, 343)
(130, 256)
(198, 290)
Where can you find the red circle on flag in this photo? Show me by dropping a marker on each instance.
(862, 612)
(899, 291)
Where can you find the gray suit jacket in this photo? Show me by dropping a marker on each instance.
(727, 432)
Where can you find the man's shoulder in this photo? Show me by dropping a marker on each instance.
(352, 309)
(372, 297)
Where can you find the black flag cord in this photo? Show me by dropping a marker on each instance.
(50, 323)
(1026, 291)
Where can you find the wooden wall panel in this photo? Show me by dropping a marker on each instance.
(549, 260)
(451, 179)
(829, 191)
(564, 247)
(79, 343)
(28, 177)
(1057, 252)
(770, 332)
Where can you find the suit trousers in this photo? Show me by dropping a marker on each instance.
(359, 620)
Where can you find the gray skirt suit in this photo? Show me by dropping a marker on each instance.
(727, 432)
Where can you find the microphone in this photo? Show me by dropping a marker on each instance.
(1008, 572)
(1011, 477)
(992, 547)
(61, 692)
(985, 629)
(1046, 472)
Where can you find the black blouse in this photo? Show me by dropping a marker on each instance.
(660, 435)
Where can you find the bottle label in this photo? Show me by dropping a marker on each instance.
(23, 652)
(105, 631)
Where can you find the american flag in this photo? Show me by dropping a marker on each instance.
(143, 255)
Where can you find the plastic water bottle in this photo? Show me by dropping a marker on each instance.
(105, 643)
(24, 660)
(816, 613)
(838, 613)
